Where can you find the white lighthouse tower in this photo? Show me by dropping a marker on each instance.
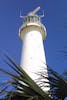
(32, 33)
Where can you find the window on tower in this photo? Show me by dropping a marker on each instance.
(34, 19)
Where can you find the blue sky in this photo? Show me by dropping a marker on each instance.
(55, 21)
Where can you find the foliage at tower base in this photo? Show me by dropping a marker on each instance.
(19, 86)
(58, 83)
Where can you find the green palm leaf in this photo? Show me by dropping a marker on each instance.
(23, 85)
(58, 84)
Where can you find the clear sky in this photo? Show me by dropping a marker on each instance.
(55, 21)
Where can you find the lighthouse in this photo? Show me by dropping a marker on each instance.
(32, 33)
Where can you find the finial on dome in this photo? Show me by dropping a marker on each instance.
(34, 11)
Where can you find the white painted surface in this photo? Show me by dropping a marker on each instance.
(33, 55)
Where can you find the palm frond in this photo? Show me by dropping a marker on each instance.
(23, 85)
(58, 84)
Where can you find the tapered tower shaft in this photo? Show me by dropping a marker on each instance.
(32, 34)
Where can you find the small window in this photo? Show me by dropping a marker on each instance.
(28, 19)
(32, 19)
